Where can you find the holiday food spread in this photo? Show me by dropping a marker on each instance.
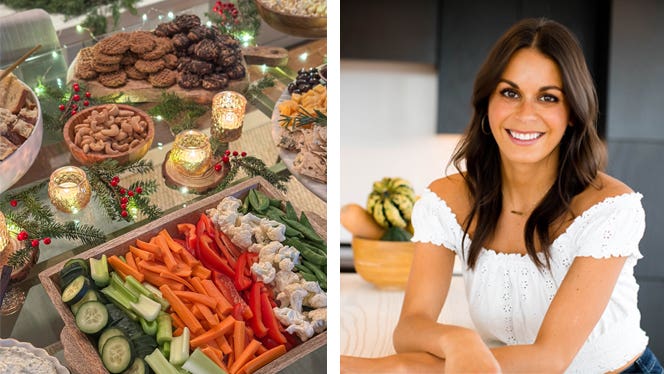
(300, 130)
(182, 56)
(234, 282)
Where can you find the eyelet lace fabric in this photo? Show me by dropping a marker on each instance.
(508, 295)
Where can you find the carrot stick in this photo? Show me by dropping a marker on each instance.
(263, 359)
(178, 306)
(223, 344)
(156, 280)
(189, 259)
(166, 253)
(130, 260)
(177, 321)
(223, 306)
(172, 244)
(169, 275)
(154, 249)
(223, 328)
(238, 338)
(198, 286)
(209, 351)
(197, 298)
(261, 350)
(231, 360)
(211, 319)
(178, 331)
(152, 266)
(197, 312)
(142, 254)
(245, 356)
(122, 267)
(201, 271)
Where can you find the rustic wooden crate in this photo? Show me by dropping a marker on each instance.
(80, 352)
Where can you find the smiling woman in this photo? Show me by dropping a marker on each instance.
(549, 241)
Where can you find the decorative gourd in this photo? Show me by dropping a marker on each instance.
(391, 202)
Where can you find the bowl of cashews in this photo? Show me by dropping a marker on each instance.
(109, 132)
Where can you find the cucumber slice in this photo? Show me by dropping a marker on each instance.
(138, 367)
(68, 275)
(75, 290)
(92, 317)
(107, 334)
(76, 262)
(99, 271)
(91, 295)
(116, 355)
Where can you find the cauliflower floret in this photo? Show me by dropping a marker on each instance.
(268, 251)
(295, 321)
(284, 278)
(225, 215)
(274, 230)
(318, 319)
(318, 300)
(286, 264)
(241, 235)
(264, 271)
(255, 248)
(292, 296)
(304, 331)
(311, 286)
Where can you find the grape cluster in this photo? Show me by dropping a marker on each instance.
(306, 80)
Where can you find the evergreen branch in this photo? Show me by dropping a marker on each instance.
(144, 205)
(256, 167)
(20, 257)
(223, 184)
(71, 230)
(180, 113)
(38, 209)
(303, 117)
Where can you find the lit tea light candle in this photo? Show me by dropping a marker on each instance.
(69, 189)
(191, 154)
(4, 233)
(228, 109)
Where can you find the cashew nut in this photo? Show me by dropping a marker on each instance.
(113, 131)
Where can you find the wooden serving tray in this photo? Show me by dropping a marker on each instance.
(79, 350)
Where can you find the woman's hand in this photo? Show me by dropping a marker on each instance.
(465, 352)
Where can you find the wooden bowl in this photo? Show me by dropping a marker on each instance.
(131, 155)
(382, 263)
(302, 26)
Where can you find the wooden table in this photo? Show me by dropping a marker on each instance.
(369, 315)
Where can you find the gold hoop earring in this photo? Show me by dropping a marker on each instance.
(482, 126)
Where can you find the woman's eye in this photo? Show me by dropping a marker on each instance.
(509, 93)
(549, 98)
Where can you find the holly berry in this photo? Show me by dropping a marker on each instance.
(86, 103)
(217, 167)
(225, 159)
(124, 200)
(138, 190)
(76, 97)
(114, 183)
(243, 154)
(235, 153)
(88, 94)
(13, 203)
(130, 193)
(76, 87)
(227, 152)
(35, 242)
(115, 178)
(47, 240)
(22, 235)
(74, 106)
(123, 206)
(124, 213)
(73, 111)
(61, 107)
(122, 191)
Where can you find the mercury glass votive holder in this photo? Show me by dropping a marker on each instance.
(4, 233)
(191, 153)
(69, 189)
(228, 109)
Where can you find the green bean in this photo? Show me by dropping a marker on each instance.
(253, 200)
(308, 233)
(290, 211)
(303, 269)
(304, 220)
(275, 203)
(316, 271)
(310, 277)
(245, 204)
(306, 252)
(275, 211)
(263, 201)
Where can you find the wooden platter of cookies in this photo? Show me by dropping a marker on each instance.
(181, 56)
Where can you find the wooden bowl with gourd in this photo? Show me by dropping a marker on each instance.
(385, 264)
(117, 132)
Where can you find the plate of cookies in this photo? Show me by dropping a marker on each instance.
(21, 130)
(181, 56)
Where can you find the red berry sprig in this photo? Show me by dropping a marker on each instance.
(226, 158)
(227, 11)
(72, 106)
(123, 195)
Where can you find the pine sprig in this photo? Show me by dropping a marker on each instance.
(71, 230)
(257, 87)
(180, 113)
(303, 117)
(254, 166)
(20, 257)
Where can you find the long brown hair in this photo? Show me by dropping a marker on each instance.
(581, 156)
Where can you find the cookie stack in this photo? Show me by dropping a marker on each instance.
(138, 55)
(208, 58)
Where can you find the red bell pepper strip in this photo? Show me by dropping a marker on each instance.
(270, 320)
(210, 258)
(241, 280)
(224, 250)
(229, 244)
(256, 322)
(191, 239)
(225, 284)
(237, 312)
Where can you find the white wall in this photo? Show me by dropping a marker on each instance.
(388, 128)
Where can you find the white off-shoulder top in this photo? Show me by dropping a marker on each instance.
(508, 295)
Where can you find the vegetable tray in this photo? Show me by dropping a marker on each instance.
(80, 352)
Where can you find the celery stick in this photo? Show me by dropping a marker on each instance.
(166, 349)
(147, 308)
(150, 328)
(164, 328)
(118, 285)
(99, 271)
(157, 296)
(180, 348)
(136, 286)
(199, 363)
(159, 364)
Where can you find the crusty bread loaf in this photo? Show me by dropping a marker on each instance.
(12, 94)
